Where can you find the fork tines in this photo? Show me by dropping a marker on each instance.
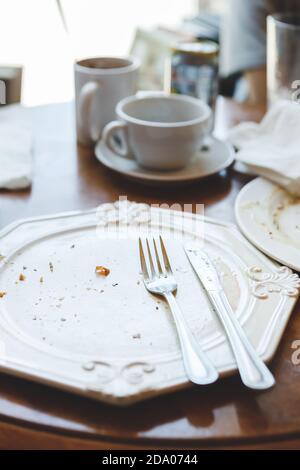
(162, 262)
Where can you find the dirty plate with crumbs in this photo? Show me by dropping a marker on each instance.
(81, 319)
(270, 218)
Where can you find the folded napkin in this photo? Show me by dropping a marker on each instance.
(15, 150)
(271, 148)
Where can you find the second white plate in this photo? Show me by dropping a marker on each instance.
(270, 219)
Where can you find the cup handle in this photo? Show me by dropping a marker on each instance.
(120, 146)
(86, 98)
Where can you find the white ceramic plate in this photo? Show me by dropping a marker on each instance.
(107, 337)
(218, 156)
(270, 219)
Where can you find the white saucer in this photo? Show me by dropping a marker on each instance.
(270, 218)
(218, 156)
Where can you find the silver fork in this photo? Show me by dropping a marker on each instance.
(161, 281)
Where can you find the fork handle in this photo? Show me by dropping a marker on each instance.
(198, 367)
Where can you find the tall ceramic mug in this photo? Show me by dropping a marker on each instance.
(100, 83)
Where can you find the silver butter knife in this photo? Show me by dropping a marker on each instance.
(254, 373)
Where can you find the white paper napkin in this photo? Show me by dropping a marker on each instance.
(271, 148)
(15, 150)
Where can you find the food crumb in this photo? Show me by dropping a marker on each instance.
(2, 294)
(72, 246)
(41, 279)
(115, 285)
(51, 267)
(22, 277)
(137, 336)
(102, 271)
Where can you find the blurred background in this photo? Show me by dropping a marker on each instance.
(43, 38)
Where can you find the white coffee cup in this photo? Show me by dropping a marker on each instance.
(100, 83)
(161, 131)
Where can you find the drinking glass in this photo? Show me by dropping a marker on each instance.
(283, 57)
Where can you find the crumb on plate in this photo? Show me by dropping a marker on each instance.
(2, 294)
(22, 277)
(102, 271)
(137, 336)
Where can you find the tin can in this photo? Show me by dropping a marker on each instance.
(195, 70)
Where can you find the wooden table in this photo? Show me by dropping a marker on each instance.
(225, 414)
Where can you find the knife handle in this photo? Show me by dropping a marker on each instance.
(254, 373)
(197, 365)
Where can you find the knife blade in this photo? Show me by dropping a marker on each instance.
(254, 373)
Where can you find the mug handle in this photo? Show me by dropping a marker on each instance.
(86, 98)
(109, 132)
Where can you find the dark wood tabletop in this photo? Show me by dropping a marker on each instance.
(223, 415)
